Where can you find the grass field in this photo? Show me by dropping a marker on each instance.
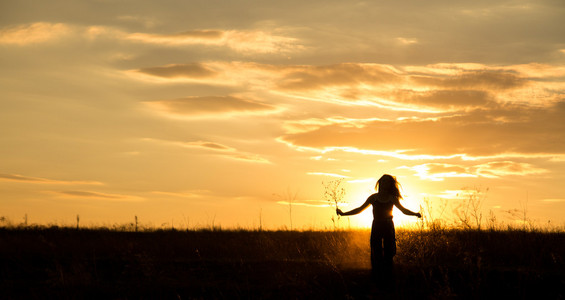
(64, 263)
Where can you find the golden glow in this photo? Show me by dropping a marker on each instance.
(121, 116)
(365, 219)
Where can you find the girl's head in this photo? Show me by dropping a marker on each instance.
(387, 184)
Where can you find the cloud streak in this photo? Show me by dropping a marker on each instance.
(308, 203)
(255, 41)
(426, 89)
(188, 194)
(327, 174)
(183, 38)
(188, 71)
(33, 33)
(39, 180)
(210, 106)
(214, 149)
(480, 132)
(78, 194)
(241, 41)
(494, 169)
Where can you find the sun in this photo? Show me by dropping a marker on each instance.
(356, 196)
(411, 201)
(366, 219)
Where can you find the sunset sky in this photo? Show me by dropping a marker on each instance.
(200, 113)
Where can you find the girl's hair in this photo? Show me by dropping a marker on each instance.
(387, 184)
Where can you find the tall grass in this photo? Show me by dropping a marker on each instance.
(216, 263)
(468, 213)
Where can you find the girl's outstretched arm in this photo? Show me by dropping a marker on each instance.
(406, 211)
(353, 211)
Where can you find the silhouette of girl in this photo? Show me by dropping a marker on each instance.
(383, 242)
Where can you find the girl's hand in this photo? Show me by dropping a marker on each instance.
(338, 212)
(419, 215)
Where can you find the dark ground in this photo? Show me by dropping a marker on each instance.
(102, 264)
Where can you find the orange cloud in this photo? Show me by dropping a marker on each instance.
(451, 99)
(426, 89)
(505, 168)
(495, 169)
(261, 42)
(443, 86)
(481, 132)
(429, 89)
(38, 180)
(444, 76)
(34, 33)
(253, 158)
(298, 126)
(187, 37)
(96, 195)
(483, 79)
(187, 194)
(210, 145)
(438, 171)
(250, 41)
(553, 200)
(447, 86)
(347, 74)
(215, 149)
(210, 106)
(243, 41)
(327, 174)
(309, 203)
(194, 70)
(406, 41)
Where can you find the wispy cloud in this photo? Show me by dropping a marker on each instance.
(256, 41)
(554, 200)
(482, 132)
(33, 33)
(305, 125)
(242, 41)
(186, 194)
(210, 107)
(96, 195)
(446, 99)
(476, 79)
(438, 171)
(209, 145)
(495, 169)
(39, 180)
(327, 174)
(459, 194)
(194, 70)
(316, 77)
(362, 180)
(409, 155)
(250, 157)
(407, 41)
(183, 38)
(309, 203)
(214, 148)
(426, 89)
(505, 168)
